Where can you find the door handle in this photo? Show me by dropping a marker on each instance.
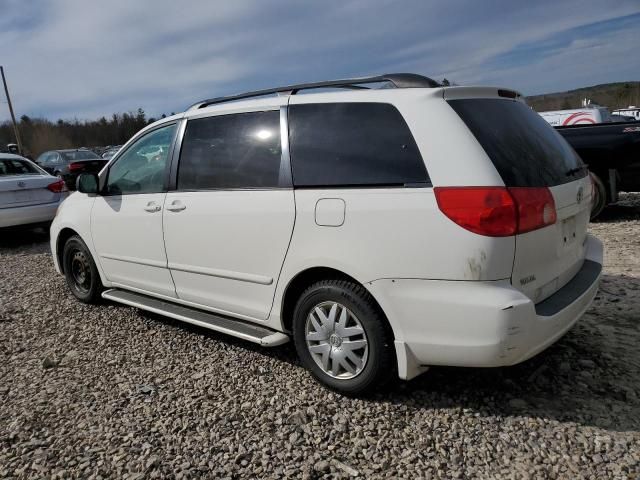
(176, 206)
(152, 207)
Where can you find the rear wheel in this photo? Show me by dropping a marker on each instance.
(600, 196)
(80, 271)
(342, 337)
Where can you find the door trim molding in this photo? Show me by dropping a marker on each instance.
(138, 261)
(215, 272)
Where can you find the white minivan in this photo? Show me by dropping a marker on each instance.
(384, 230)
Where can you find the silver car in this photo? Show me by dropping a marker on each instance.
(28, 194)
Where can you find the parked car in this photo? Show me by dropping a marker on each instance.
(384, 230)
(28, 194)
(153, 152)
(68, 164)
(612, 152)
(110, 152)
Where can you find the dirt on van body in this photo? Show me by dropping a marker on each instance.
(111, 392)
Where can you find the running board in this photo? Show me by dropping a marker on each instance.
(237, 328)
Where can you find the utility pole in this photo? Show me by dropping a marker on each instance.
(13, 117)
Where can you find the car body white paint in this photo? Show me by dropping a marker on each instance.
(446, 292)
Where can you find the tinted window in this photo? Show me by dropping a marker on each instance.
(17, 167)
(231, 151)
(352, 144)
(525, 149)
(141, 169)
(79, 155)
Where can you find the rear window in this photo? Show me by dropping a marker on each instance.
(17, 167)
(79, 155)
(524, 148)
(353, 144)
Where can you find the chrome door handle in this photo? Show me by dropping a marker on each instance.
(176, 206)
(152, 207)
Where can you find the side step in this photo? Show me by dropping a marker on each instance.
(237, 328)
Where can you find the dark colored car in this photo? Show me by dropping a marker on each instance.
(68, 164)
(612, 152)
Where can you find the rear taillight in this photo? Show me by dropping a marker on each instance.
(483, 210)
(536, 208)
(74, 167)
(497, 211)
(57, 186)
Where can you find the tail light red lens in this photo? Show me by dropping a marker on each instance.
(536, 208)
(497, 211)
(74, 167)
(57, 186)
(483, 210)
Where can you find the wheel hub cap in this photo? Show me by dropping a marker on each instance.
(336, 340)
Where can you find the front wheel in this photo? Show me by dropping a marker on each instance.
(80, 271)
(342, 337)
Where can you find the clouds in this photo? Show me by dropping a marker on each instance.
(85, 59)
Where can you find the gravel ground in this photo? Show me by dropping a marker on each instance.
(110, 391)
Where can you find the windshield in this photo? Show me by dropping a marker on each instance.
(524, 148)
(79, 155)
(17, 167)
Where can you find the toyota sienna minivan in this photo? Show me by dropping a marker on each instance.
(383, 230)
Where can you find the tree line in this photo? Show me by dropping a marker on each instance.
(611, 95)
(39, 134)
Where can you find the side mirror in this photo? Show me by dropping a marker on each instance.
(87, 183)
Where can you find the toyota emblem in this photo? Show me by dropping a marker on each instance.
(580, 195)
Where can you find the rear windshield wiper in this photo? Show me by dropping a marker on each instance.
(573, 171)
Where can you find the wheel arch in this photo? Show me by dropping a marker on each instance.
(64, 235)
(309, 276)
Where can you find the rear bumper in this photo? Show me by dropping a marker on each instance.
(480, 324)
(11, 217)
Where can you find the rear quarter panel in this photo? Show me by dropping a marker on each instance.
(389, 234)
(392, 233)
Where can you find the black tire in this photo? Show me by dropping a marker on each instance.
(80, 271)
(379, 365)
(600, 192)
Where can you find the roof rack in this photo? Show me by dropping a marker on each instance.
(397, 80)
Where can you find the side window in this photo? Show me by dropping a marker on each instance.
(43, 159)
(55, 158)
(231, 151)
(141, 169)
(353, 144)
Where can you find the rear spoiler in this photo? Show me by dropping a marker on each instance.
(455, 93)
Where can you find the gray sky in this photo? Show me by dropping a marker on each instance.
(84, 59)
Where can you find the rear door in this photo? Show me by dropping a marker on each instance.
(23, 184)
(228, 224)
(528, 153)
